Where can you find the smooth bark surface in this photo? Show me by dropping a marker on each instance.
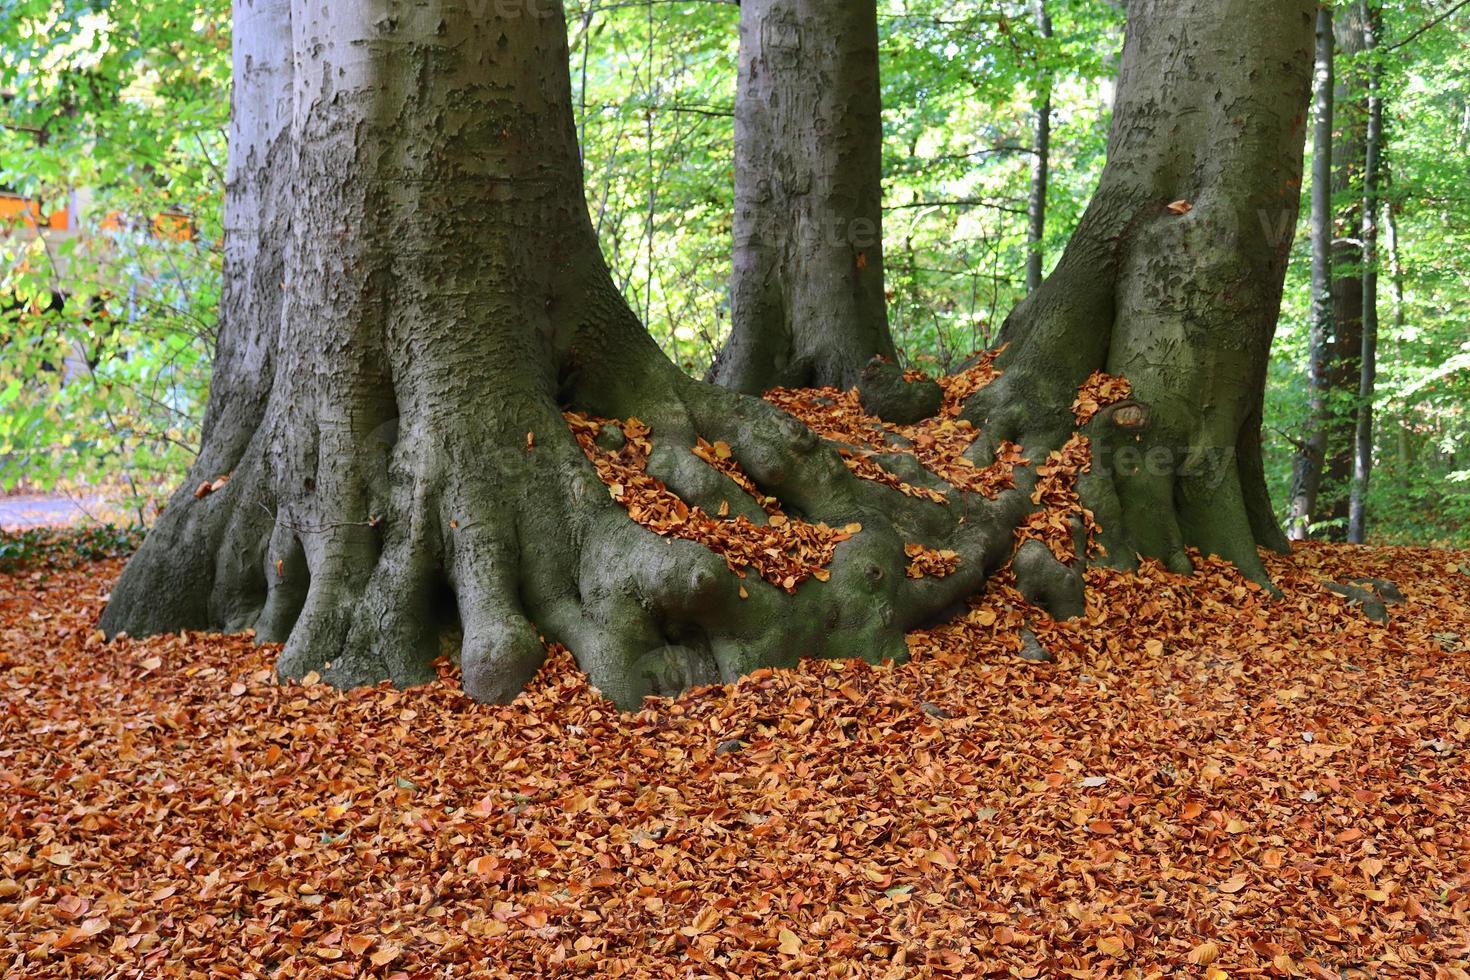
(1040, 168)
(1368, 365)
(190, 545)
(806, 300)
(1307, 466)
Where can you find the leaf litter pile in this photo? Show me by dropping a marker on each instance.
(1207, 782)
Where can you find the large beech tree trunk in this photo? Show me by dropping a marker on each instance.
(400, 470)
(1181, 300)
(401, 473)
(806, 300)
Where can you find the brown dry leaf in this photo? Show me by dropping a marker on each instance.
(386, 954)
(707, 920)
(1204, 954)
(917, 818)
(1233, 885)
(485, 864)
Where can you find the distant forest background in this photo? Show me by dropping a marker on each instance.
(115, 115)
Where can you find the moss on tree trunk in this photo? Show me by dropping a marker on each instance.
(400, 466)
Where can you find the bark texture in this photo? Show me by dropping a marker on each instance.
(1349, 162)
(807, 305)
(1040, 166)
(1182, 300)
(402, 477)
(190, 543)
(1368, 366)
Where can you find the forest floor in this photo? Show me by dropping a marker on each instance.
(1206, 783)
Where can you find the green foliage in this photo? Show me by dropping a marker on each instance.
(115, 112)
(1419, 493)
(655, 90)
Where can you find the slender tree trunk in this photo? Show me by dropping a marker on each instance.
(1368, 374)
(807, 304)
(1350, 124)
(1311, 455)
(1040, 167)
(1395, 261)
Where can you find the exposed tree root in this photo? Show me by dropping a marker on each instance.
(767, 545)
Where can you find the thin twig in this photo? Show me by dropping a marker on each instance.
(370, 522)
(1433, 23)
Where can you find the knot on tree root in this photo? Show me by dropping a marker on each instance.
(1372, 595)
(898, 396)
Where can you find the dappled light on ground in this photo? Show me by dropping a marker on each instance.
(1206, 783)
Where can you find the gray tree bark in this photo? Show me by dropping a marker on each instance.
(257, 223)
(1307, 466)
(1040, 167)
(1371, 16)
(402, 476)
(1349, 152)
(408, 478)
(1181, 300)
(807, 304)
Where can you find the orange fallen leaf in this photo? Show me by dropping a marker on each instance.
(1204, 954)
(1232, 885)
(387, 954)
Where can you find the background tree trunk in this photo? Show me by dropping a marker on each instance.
(188, 549)
(807, 302)
(1040, 167)
(1349, 143)
(1311, 454)
(1368, 374)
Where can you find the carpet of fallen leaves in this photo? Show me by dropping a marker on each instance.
(1206, 783)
